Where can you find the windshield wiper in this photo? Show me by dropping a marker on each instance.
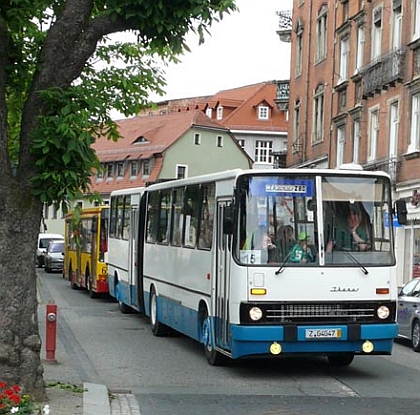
(281, 269)
(354, 259)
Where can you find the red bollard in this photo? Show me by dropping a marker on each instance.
(51, 332)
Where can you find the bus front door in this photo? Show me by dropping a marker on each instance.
(222, 283)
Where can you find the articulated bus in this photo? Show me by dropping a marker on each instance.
(261, 263)
(86, 247)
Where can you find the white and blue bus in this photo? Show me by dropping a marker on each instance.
(261, 262)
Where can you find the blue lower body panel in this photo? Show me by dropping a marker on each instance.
(248, 341)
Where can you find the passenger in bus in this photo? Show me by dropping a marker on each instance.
(301, 252)
(260, 240)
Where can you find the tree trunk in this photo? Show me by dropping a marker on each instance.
(20, 343)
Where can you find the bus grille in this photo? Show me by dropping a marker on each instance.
(346, 312)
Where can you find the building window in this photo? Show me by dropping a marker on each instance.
(416, 22)
(181, 171)
(318, 121)
(241, 143)
(393, 128)
(344, 59)
(299, 50)
(134, 168)
(356, 140)
(120, 169)
(377, 33)
(373, 134)
(219, 141)
(360, 47)
(263, 151)
(341, 141)
(321, 34)
(396, 26)
(209, 112)
(263, 112)
(146, 167)
(109, 170)
(197, 139)
(296, 128)
(415, 123)
(219, 113)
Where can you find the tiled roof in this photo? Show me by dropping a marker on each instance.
(159, 132)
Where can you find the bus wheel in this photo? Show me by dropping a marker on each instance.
(92, 294)
(124, 308)
(72, 283)
(341, 359)
(213, 357)
(158, 329)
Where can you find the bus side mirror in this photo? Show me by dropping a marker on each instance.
(228, 220)
(401, 207)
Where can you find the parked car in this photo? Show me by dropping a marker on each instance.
(54, 257)
(43, 241)
(408, 315)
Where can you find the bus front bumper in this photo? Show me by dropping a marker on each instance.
(272, 340)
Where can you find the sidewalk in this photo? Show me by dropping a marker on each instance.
(67, 393)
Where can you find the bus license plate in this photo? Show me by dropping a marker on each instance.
(323, 333)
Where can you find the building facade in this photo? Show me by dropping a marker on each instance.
(355, 97)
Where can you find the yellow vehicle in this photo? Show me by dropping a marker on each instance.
(86, 247)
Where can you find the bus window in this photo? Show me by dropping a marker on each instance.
(126, 218)
(207, 216)
(177, 223)
(191, 209)
(152, 217)
(164, 217)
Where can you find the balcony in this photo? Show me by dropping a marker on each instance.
(383, 73)
(389, 165)
(282, 95)
(285, 26)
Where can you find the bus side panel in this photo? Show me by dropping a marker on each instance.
(174, 314)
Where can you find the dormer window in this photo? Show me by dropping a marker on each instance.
(120, 169)
(209, 112)
(263, 112)
(140, 140)
(219, 113)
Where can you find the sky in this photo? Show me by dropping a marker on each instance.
(243, 49)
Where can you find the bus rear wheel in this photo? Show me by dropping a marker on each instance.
(92, 294)
(124, 308)
(341, 359)
(158, 329)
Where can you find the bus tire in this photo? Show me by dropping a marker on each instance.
(341, 359)
(213, 357)
(92, 294)
(73, 285)
(158, 329)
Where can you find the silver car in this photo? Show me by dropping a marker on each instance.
(54, 257)
(409, 313)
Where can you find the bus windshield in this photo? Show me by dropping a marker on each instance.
(314, 220)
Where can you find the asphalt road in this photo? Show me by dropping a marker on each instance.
(170, 375)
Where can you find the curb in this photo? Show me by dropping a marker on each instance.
(95, 399)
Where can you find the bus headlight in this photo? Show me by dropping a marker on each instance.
(383, 312)
(255, 313)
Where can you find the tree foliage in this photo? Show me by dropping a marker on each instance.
(60, 76)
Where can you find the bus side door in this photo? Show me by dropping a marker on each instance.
(222, 283)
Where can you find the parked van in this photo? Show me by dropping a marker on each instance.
(43, 241)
